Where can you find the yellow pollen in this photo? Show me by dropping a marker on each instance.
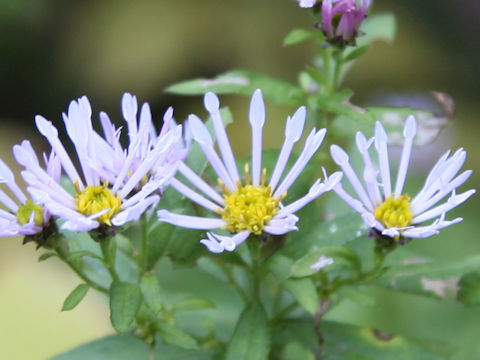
(249, 207)
(97, 198)
(24, 213)
(395, 212)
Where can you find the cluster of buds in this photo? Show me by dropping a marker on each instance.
(340, 19)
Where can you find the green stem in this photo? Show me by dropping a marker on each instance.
(255, 253)
(152, 350)
(63, 255)
(108, 252)
(231, 280)
(144, 236)
(338, 56)
(327, 59)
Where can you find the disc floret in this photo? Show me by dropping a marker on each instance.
(27, 210)
(94, 199)
(249, 207)
(395, 212)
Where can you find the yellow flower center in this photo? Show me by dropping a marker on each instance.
(98, 198)
(249, 207)
(395, 212)
(24, 213)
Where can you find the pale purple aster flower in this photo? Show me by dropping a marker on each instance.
(390, 211)
(21, 215)
(252, 206)
(116, 186)
(341, 19)
(307, 3)
(142, 131)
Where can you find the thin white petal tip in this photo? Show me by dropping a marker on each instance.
(211, 102)
(338, 155)
(380, 134)
(199, 130)
(333, 180)
(410, 128)
(168, 114)
(257, 109)
(316, 189)
(362, 143)
(45, 127)
(295, 124)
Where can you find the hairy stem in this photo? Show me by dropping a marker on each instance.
(144, 236)
(63, 255)
(108, 251)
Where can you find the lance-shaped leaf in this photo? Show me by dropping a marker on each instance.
(152, 295)
(125, 301)
(297, 36)
(173, 335)
(75, 297)
(251, 339)
(242, 82)
(426, 277)
(128, 347)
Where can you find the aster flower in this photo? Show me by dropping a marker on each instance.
(117, 185)
(254, 206)
(341, 19)
(390, 211)
(112, 155)
(23, 216)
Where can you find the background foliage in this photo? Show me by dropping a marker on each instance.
(54, 51)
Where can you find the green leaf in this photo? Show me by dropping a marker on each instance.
(128, 347)
(342, 257)
(378, 27)
(125, 301)
(75, 297)
(173, 335)
(426, 277)
(152, 295)
(297, 36)
(280, 266)
(304, 291)
(180, 244)
(46, 256)
(192, 304)
(469, 292)
(77, 255)
(355, 53)
(296, 351)
(251, 339)
(242, 82)
(338, 231)
(348, 342)
(316, 75)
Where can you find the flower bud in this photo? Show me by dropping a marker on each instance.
(341, 19)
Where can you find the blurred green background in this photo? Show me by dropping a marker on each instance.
(53, 51)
